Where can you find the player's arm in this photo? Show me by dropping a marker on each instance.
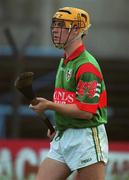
(87, 96)
(66, 109)
(90, 94)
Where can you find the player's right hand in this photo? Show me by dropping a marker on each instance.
(50, 135)
(41, 105)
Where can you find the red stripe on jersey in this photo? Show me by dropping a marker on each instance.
(88, 68)
(87, 107)
(75, 54)
(103, 99)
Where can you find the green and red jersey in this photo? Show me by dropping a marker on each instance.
(79, 81)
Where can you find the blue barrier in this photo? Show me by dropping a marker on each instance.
(22, 111)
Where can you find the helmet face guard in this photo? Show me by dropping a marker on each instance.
(60, 27)
(68, 18)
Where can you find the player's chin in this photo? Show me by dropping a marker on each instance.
(56, 41)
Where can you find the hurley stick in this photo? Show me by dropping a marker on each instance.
(24, 84)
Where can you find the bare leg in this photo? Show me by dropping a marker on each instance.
(92, 172)
(52, 170)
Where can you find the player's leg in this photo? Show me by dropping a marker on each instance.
(92, 172)
(89, 153)
(51, 169)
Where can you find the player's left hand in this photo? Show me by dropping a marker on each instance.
(51, 135)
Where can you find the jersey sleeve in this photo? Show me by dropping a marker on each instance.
(89, 88)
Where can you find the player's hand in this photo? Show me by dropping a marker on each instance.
(41, 105)
(51, 136)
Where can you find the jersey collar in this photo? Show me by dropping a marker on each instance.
(75, 54)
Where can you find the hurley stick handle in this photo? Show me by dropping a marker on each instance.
(44, 117)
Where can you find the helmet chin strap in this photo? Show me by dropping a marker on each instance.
(78, 36)
(73, 39)
(64, 45)
(67, 42)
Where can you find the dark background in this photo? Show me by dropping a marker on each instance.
(28, 22)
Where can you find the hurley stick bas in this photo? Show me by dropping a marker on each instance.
(24, 84)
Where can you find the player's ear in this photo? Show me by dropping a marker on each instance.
(75, 28)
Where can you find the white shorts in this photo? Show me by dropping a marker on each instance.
(79, 148)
